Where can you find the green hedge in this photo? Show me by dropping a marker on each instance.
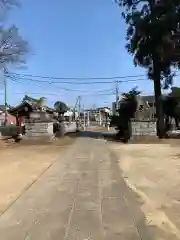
(9, 130)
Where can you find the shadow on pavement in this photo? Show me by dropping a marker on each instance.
(93, 134)
(110, 137)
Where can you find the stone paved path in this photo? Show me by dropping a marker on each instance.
(82, 197)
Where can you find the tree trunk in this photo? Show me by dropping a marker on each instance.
(158, 101)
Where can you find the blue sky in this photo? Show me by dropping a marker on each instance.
(73, 39)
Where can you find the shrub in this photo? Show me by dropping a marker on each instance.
(9, 130)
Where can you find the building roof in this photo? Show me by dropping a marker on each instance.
(98, 109)
(34, 103)
(31, 103)
(21, 108)
(148, 98)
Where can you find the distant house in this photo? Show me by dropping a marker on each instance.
(30, 108)
(98, 114)
(114, 107)
(146, 101)
(146, 108)
(2, 109)
(70, 114)
(10, 119)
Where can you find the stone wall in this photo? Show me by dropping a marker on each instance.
(45, 130)
(39, 129)
(143, 128)
(70, 127)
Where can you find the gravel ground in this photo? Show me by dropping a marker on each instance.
(22, 163)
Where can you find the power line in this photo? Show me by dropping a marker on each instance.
(16, 81)
(35, 93)
(77, 78)
(43, 80)
(99, 94)
(84, 92)
(57, 94)
(60, 82)
(50, 78)
(72, 82)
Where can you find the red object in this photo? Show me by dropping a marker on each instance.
(19, 124)
(10, 119)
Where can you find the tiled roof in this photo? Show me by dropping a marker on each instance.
(34, 103)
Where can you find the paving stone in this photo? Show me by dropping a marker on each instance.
(81, 197)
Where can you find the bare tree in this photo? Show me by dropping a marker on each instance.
(7, 4)
(13, 48)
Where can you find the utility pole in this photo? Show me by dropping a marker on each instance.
(117, 95)
(88, 119)
(100, 120)
(79, 107)
(75, 106)
(5, 98)
(84, 119)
